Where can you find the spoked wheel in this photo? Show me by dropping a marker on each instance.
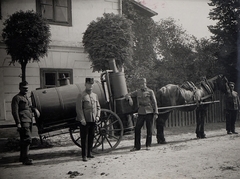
(108, 132)
(75, 135)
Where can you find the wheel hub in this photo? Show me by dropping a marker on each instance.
(103, 131)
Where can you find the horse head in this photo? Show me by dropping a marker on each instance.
(221, 83)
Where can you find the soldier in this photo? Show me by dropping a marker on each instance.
(22, 114)
(88, 112)
(147, 111)
(232, 107)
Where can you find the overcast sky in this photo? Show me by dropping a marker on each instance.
(191, 14)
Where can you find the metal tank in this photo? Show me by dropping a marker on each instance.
(57, 105)
(116, 80)
(118, 84)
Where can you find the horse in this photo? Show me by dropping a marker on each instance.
(188, 93)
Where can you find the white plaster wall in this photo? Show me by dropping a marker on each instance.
(66, 48)
(83, 12)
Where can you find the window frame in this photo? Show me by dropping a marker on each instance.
(43, 71)
(54, 22)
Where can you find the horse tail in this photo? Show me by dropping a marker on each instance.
(162, 97)
(159, 97)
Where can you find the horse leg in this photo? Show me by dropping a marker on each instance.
(160, 124)
(200, 117)
(197, 123)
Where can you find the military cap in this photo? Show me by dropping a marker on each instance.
(89, 80)
(23, 84)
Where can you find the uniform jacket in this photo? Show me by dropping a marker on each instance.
(21, 109)
(232, 101)
(146, 101)
(87, 107)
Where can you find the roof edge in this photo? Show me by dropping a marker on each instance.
(150, 11)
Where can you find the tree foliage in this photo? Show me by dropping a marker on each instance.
(182, 57)
(206, 63)
(109, 37)
(226, 33)
(175, 52)
(144, 55)
(27, 37)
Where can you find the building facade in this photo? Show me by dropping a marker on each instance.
(68, 21)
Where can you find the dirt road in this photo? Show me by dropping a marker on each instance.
(183, 157)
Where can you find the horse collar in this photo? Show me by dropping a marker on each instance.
(207, 86)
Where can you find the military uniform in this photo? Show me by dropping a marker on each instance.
(232, 107)
(147, 107)
(23, 115)
(88, 109)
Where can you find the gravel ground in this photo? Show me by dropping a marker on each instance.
(184, 156)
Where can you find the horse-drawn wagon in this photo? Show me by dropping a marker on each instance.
(57, 108)
(57, 111)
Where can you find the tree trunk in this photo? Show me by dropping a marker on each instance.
(23, 67)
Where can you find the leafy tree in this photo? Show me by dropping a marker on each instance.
(205, 62)
(109, 37)
(226, 33)
(27, 37)
(175, 52)
(144, 55)
(182, 57)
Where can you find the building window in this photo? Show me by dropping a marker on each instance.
(50, 78)
(55, 11)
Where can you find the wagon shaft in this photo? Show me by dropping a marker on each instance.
(188, 105)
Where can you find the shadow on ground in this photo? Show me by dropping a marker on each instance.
(11, 144)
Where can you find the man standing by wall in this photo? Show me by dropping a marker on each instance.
(88, 112)
(147, 111)
(22, 115)
(232, 107)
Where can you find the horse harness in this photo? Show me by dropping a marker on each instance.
(207, 86)
(189, 85)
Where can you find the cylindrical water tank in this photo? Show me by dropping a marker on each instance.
(57, 105)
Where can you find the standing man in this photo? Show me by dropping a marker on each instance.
(88, 112)
(147, 111)
(22, 114)
(232, 107)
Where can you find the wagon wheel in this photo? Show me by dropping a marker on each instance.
(75, 135)
(108, 132)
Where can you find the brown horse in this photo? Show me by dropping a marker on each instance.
(174, 95)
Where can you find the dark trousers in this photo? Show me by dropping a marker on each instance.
(140, 121)
(25, 140)
(87, 136)
(231, 116)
